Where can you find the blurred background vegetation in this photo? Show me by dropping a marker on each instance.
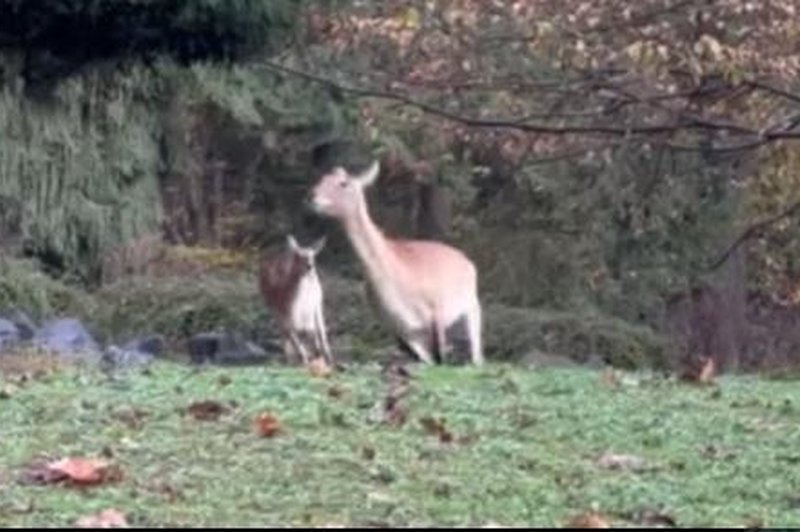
(624, 174)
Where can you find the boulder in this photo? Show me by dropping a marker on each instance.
(153, 345)
(116, 358)
(25, 325)
(9, 334)
(224, 348)
(66, 337)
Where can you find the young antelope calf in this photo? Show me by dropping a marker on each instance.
(290, 286)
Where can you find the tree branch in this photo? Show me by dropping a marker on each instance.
(761, 85)
(681, 123)
(753, 231)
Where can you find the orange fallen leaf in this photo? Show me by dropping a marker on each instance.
(266, 425)
(109, 518)
(73, 470)
(589, 520)
(319, 368)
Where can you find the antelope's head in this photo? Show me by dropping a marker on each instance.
(305, 257)
(339, 194)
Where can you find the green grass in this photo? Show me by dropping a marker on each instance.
(525, 450)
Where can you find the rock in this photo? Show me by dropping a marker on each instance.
(224, 348)
(66, 336)
(25, 325)
(153, 345)
(122, 358)
(9, 334)
(539, 359)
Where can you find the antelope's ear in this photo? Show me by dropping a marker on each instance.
(368, 176)
(292, 243)
(319, 245)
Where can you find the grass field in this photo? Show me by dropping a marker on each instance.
(464, 446)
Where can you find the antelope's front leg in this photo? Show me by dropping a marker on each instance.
(298, 346)
(418, 342)
(322, 338)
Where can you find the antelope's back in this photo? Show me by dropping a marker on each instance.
(276, 280)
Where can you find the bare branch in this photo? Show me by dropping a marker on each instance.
(775, 90)
(689, 123)
(753, 231)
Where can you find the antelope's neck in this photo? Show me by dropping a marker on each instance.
(370, 245)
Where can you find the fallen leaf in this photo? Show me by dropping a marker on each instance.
(74, 470)
(621, 462)
(651, 518)
(713, 452)
(109, 518)
(81, 470)
(335, 392)
(393, 413)
(207, 410)
(319, 368)
(754, 523)
(435, 427)
(367, 452)
(589, 520)
(609, 378)
(133, 418)
(266, 425)
(170, 493)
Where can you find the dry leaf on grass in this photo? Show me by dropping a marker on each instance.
(651, 518)
(435, 427)
(74, 470)
(394, 413)
(133, 418)
(207, 410)
(266, 425)
(621, 462)
(319, 368)
(609, 378)
(589, 520)
(109, 518)
(335, 392)
(367, 452)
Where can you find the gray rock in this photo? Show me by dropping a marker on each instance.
(25, 325)
(153, 345)
(66, 336)
(224, 348)
(120, 358)
(9, 334)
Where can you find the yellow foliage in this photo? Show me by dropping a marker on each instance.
(211, 258)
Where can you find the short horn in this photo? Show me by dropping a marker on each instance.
(320, 244)
(293, 245)
(368, 177)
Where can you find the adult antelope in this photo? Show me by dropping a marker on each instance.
(423, 287)
(290, 286)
